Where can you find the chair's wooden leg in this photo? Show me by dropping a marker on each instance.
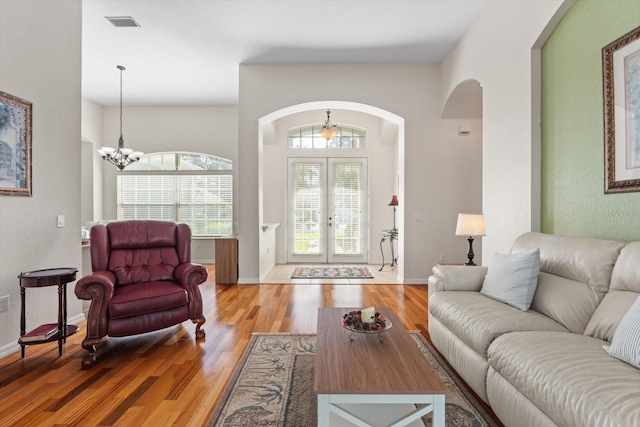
(89, 360)
(89, 344)
(200, 334)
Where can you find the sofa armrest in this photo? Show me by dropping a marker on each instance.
(456, 278)
(190, 275)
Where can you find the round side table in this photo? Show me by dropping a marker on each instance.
(39, 279)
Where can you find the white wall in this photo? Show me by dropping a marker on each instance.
(40, 61)
(501, 51)
(209, 130)
(268, 249)
(381, 168)
(86, 182)
(92, 133)
(436, 185)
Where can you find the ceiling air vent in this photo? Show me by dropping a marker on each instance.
(122, 21)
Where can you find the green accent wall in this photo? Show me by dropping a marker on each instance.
(573, 200)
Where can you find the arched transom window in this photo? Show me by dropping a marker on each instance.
(184, 187)
(309, 137)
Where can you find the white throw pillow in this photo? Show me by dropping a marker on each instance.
(625, 344)
(513, 278)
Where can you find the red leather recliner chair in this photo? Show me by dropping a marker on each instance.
(143, 280)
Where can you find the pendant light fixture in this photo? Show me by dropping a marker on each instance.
(120, 157)
(329, 130)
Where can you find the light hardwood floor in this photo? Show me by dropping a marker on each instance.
(167, 378)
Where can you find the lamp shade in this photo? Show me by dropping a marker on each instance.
(470, 225)
(394, 201)
(328, 133)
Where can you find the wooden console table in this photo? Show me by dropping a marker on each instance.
(227, 260)
(39, 279)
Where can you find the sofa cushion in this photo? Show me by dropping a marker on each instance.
(626, 340)
(552, 296)
(625, 288)
(512, 279)
(582, 259)
(597, 391)
(147, 297)
(578, 273)
(478, 320)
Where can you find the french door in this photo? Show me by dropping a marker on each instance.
(327, 202)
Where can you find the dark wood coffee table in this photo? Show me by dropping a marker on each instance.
(369, 372)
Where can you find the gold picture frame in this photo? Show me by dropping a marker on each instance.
(15, 146)
(621, 90)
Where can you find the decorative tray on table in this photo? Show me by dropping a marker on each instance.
(354, 322)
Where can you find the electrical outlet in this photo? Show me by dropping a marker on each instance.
(443, 257)
(60, 221)
(4, 303)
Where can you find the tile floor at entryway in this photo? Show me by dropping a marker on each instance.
(281, 273)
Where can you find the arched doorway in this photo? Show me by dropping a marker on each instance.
(392, 128)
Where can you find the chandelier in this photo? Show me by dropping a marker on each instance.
(329, 130)
(120, 157)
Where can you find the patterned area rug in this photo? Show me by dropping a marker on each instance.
(273, 386)
(332, 273)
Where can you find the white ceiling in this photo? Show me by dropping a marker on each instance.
(187, 52)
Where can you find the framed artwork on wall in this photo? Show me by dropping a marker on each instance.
(621, 87)
(15, 146)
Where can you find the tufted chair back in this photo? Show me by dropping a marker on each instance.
(140, 251)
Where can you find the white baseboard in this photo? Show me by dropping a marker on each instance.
(245, 281)
(14, 346)
(202, 261)
(9, 349)
(415, 281)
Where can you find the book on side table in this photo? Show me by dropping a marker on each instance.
(41, 333)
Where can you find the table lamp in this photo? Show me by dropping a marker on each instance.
(470, 225)
(394, 203)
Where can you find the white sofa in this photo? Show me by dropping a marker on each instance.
(545, 366)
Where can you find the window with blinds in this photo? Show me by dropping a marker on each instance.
(307, 192)
(184, 187)
(347, 203)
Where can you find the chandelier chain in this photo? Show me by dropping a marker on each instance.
(121, 68)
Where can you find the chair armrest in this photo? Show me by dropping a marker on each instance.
(99, 284)
(190, 275)
(456, 278)
(97, 287)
